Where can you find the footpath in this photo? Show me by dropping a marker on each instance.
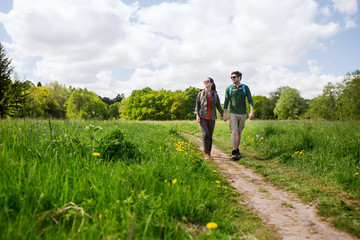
(280, 210)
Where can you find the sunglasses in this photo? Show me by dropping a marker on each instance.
(206, 81)
(233, 77)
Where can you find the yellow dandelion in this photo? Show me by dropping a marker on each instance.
(100, 216)
(356, 173)
(218, 186)
(19, 129)
(96, 154)
(225, 187)
(214, 171)
(165, 181)
(296, 152)
(217, 181)
(211, 225)
(174, 181)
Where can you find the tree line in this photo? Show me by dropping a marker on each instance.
(339, 101)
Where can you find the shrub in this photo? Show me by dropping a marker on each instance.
(115, 147)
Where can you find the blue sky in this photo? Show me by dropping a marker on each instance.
(114, 46)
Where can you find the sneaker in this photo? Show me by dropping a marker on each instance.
(234, 155)
(238, 154)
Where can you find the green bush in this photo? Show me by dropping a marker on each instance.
(115, 147)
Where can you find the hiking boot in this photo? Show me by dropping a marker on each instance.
(234, 155)
(207, 154)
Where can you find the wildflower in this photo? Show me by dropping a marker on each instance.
(19, 129)
(214, 171)
(217, 181)
(165, 181)
(174, 181)
(225, 187)
(296, 152)
(100, 216)
(96, 154)
(211, 225)
(117, 201)
(356, 173)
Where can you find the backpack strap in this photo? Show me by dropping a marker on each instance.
(243, 87)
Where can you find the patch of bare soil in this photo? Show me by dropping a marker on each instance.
(280, 210)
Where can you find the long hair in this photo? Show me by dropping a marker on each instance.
(213, 87)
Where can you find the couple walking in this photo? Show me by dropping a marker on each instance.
(207, 102)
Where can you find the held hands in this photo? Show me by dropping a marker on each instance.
(225, 118)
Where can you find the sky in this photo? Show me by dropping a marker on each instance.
(116, 46)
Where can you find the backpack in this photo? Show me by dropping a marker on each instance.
(243, 87)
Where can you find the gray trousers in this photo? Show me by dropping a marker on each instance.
(207, 130)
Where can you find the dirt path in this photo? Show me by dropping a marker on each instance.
(281, 210)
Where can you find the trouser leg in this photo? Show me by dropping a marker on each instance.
(207, 130)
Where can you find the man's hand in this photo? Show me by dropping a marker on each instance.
(251, 115)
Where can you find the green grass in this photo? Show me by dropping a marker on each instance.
(320, 161)
(53, 187)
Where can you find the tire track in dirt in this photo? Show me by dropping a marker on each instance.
(283, 211)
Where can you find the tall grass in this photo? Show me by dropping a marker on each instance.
(320, 161)
(325, 150)
(54, 185)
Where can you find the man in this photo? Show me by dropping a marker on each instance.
(237, 94)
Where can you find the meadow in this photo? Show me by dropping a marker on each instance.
(318, 160)
(113, 180)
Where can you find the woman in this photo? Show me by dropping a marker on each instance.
(207, 101)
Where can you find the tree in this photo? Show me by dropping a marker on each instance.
(290, 105)
(274, 96)
(349, 98)
(84, 104)
(60, 94)
(41, 103)
(262, 108)
(5, 80)
(324, 106)
(188, 103)
(113, 111)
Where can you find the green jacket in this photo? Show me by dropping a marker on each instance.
(238, 99)
(201, 104)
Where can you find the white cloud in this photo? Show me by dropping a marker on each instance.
(345, 6)
(171, 45)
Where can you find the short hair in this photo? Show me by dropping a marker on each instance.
(237, 73)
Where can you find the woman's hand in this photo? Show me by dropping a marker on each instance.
(198, 118)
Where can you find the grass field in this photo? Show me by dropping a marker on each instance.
(113, 180)
(320, 161)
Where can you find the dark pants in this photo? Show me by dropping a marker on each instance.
(207, 130)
